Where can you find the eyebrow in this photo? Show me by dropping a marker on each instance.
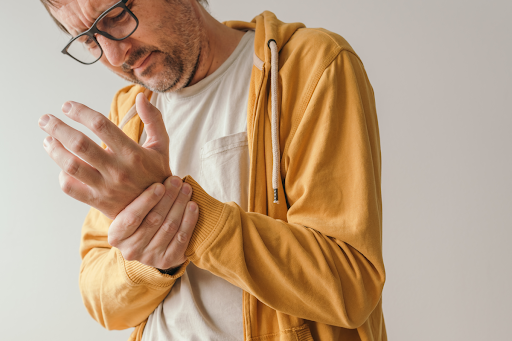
(99, 14)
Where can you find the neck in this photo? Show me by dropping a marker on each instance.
(218, 44)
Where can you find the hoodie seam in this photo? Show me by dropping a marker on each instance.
(341, 47)
(252, 142)
(303, 107)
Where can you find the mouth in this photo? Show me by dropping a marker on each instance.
(142, 63)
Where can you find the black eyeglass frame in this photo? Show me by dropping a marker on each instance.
(94, 30)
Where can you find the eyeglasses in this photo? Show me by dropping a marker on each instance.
(116, 23)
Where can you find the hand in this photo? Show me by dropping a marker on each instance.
(156, 227)
(107, 179)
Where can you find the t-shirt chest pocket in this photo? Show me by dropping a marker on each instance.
(225, 169)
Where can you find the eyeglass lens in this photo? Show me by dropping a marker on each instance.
(118, 23)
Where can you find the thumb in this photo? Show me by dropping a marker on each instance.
(157, 137)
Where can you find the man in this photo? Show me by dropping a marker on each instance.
(238, 192)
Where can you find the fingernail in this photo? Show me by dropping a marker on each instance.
(176, 182)
(66, 107)
(185, 189)
(159, 190)
(43, 121)
(47, 141)
(192, 207)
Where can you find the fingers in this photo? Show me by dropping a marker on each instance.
(173, 186)
(100, 125)
(129, 220)
(172, 222)
(74, 140)
(154, 220)
(176, 249)
(71, 164)
(158, 138)
(76, 189)
(154, 252)
(141, 233)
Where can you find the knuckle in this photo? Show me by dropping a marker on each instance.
(132, 220)
(96, 200)
(99, 124)
(52, 149)
(71, 167)
(171, 227)
(53, 127)
(154, 219)
(79, 145)
(134, 156)
(76, 109)
(113, 240)
(121, 176)
(65, 185)
(182, 237)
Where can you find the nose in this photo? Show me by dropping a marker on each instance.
(114, 51)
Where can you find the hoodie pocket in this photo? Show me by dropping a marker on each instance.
(225, 169)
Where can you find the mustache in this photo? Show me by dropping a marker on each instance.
(135, 56)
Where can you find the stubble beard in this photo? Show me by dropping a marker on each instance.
(181, 57)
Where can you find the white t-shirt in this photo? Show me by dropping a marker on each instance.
(207, 126)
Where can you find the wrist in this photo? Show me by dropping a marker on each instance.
(170, 271)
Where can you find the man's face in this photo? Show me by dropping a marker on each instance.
(164, 51)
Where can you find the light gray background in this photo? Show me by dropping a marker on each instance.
(443, 81)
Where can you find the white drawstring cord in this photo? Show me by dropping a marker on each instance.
(276, 153)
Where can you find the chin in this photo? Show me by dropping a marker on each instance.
(163, 82)
(160, 79)
(160, 86)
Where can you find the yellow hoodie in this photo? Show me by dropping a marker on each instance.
(310, 266)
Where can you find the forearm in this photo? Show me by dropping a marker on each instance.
(324, 263)
(118, 294)
(289, 267)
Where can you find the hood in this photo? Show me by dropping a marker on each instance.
(267, 28)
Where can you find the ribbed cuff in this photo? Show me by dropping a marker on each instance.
(210, 212)
(139, 273)
(303, 333)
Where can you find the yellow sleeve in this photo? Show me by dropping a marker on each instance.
(118, 294)
(325, 263)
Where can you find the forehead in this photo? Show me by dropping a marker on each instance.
(78, 15)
